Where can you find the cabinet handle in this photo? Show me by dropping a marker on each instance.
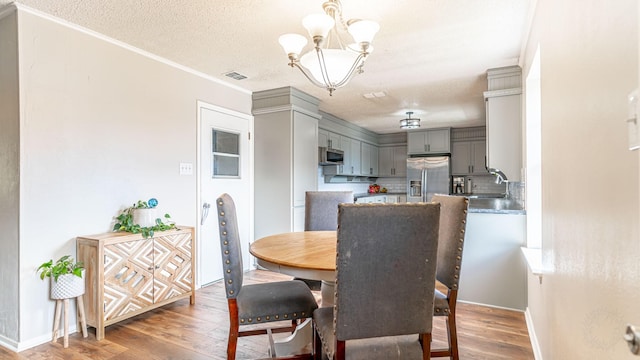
(393, 171)
(370, 171)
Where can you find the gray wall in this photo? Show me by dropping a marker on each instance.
(101, 126)
(9, 178)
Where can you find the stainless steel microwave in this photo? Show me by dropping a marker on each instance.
(328, 156)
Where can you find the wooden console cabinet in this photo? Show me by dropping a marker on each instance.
(127, 274)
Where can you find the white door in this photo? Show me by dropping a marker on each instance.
(225, 159)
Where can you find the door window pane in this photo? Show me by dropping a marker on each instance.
(226, 154)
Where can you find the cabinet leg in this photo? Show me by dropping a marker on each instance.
(56, 320)
(66, 323)
(81, 316)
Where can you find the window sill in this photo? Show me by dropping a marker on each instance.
(534, 260)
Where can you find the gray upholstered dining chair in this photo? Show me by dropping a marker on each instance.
(453, 222)
(385, 281)
(321, 209)
(258, 303)
(321, 214)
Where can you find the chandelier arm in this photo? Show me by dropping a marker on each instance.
(310, 78)
(323, 68)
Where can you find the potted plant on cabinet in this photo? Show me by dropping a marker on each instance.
(66, 277)
(140, 218)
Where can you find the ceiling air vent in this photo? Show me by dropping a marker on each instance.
(235, 75)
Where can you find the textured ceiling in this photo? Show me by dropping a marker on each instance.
(430, 56)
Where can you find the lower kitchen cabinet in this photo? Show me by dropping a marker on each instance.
(127, 274)
(493, 271)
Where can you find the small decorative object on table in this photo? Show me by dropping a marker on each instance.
(140, 218)
(66, 283)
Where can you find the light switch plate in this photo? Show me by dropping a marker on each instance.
(186, 169)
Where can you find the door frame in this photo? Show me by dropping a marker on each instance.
(212, 212)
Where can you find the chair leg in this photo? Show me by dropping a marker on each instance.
(317, 344)
(425, 341)
(452, 335)
(234, 327)
(340, 350)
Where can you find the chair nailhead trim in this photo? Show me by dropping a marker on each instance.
(268, 317)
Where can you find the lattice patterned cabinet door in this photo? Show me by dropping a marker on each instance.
(128, 277)
(172, 258)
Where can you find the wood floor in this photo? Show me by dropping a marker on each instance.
(181, 331)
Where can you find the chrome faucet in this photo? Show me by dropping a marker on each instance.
(500, 176)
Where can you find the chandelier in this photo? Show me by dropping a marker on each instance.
(409, 123)
(332, 63)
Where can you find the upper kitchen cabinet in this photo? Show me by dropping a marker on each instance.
(286, 158)
(369, 159)
(504, 124)
(329, 139)
(435, 141)
(392, 161)
(323, 138)
(468, 151)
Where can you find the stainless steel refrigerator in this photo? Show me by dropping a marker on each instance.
(427, 176)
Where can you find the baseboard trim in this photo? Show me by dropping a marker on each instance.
(8, 344)
(537, 353)
(24, 345)
(491, 306)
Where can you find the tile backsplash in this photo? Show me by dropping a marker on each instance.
(481, 185)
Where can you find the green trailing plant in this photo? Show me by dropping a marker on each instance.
(125, 220)
(64, 265)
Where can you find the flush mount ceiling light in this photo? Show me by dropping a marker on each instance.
(409, 123)
(331, 63)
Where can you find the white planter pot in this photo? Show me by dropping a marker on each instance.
(145, 217)
(68, 286)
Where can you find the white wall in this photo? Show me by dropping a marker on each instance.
(9, 178)
(101, 127)
(590, 197)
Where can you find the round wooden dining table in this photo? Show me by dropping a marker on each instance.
(303, 254)
(307, 255)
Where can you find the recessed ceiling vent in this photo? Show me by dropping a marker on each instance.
(235, 75)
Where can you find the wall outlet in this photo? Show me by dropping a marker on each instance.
(186, 169)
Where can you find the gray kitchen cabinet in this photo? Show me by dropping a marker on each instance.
(289, 133)
(329, 139)
(369, 159)
(436, 141)
(335, 141)
(468, 157)
(504, 121)
(392, 161)
(323, 138)
(351, 165)
(354, 154)
(504, 144)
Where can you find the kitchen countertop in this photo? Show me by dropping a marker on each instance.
(361, 195)
(478, 203)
